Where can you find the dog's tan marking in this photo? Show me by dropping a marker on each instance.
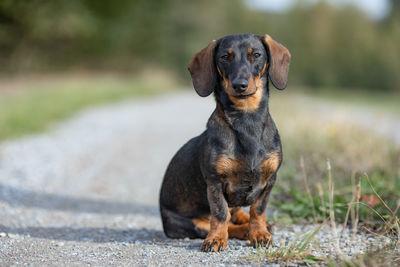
(240, 231)
(238, 216)
(226, 83)
(258, 230)
(254, 86)
(249, 104)
(202, 223)
(226, 165)
(217, 238)
(270, 165)
(253, 102)
(262, 71)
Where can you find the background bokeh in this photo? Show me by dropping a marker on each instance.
(333, 45)
(342, 103)
(93, 176)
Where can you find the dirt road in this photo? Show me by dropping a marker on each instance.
(87, 191)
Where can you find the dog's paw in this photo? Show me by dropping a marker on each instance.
(260, 238)
(214, 244)
(240, 217)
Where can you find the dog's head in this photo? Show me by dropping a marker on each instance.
(239, 64)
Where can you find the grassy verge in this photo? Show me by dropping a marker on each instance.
(338, 174)
(33, 104)
(354, 153)
(382, 257)
(334, 171)
(298, 250)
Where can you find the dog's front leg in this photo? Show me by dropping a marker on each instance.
(217, 237)
(258, 227)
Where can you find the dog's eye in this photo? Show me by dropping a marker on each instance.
(256, 55)
(224, 57)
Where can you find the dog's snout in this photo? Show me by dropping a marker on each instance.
(240, 85)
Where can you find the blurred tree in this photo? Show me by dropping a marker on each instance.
(394, 9)
(331, 46)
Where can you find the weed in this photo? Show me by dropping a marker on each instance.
(337, 191)
(385, 229)
(297, 250)
(388, 255)
(309, 138)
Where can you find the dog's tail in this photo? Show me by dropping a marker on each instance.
(178, 226)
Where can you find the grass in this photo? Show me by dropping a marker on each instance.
(382, 257)
(301, 249)
(337, 172)
(377, 255)
(297, 250)
(308, 141)
(32, 105)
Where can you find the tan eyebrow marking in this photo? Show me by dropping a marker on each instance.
(230, 51)
(250, 50)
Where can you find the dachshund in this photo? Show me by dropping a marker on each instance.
(234, 162)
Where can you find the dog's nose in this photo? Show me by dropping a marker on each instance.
(240, 85)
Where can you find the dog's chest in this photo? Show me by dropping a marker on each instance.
(243, 184)
(243, 188)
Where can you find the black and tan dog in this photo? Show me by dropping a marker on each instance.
(235, 161)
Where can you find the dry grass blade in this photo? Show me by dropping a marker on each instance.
(350, 208)
(381, 257)
(308, 238)
(389, 225)
(321, 196)
(303, 171)
(357, 211)
(297, 250)
(331, 209)
(378, 196)
(397, 221)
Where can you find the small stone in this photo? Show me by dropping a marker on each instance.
(2, 234)
(12, 236)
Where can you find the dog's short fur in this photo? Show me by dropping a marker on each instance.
(234, 162)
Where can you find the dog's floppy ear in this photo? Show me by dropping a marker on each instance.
(203, 72)
(279, 61)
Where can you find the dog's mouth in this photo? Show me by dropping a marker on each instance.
(244, 96)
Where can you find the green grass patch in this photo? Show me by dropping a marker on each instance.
(354, 153)
(297, 250)
(38, 104)
(333, 172)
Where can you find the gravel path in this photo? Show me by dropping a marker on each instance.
(87, 191)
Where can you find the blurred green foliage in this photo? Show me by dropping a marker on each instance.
(331, 47)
